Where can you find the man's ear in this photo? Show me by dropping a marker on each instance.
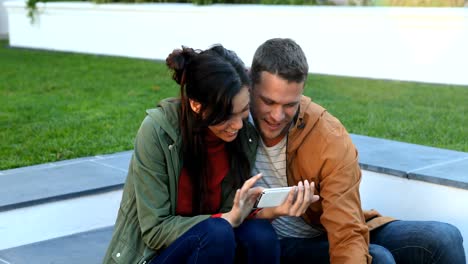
(196, 106)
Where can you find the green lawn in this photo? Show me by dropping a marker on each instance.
(420, 113)
(56, 106)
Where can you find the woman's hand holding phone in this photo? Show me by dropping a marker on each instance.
(244, 201)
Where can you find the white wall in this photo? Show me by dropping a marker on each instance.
(419, 44)
(3, 21)
(415, 200)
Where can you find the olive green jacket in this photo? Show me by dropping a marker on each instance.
(147, 220)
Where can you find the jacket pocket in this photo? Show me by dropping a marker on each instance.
(124, 253)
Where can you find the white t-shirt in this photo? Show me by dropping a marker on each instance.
(271, 162)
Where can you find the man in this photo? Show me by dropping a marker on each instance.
(302, 141)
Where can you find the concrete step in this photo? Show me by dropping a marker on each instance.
(82, 248)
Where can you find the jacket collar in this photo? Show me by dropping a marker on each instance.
(308, 115)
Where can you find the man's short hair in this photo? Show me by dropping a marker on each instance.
(282, 57)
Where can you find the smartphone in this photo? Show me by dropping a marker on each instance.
(272, 197)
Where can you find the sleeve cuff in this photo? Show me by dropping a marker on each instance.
(254, 213)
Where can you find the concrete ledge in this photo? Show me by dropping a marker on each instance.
(62, 180)
(51, 220)
(85, 176)
(87, 247)
(417, 162)
(451, 173)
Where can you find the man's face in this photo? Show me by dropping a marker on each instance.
(274, 104)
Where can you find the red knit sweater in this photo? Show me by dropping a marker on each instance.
(218, 167)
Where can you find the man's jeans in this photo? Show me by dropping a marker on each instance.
(402, 242)
(215, 241)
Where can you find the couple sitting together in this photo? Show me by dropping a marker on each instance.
(190, 196)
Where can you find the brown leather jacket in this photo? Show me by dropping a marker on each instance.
(320, 150)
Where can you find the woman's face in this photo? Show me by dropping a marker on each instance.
(227, 130)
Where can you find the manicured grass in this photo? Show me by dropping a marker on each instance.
(426, 114)
(56, 106)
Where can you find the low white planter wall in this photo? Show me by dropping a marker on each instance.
(419, 44)
(415, 200)
(3, 20)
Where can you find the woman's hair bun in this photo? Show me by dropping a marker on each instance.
(178, 61)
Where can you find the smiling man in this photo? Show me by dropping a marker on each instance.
(301, 141)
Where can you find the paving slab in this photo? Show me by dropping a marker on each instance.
(55, 181)
(119, 160)
(87, 247)
(454, 173)
(400, 158)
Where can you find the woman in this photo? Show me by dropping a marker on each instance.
(188, 190)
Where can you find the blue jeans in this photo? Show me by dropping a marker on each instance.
(402, 242)
(215, 241)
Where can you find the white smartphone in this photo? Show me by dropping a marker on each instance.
(272, 197)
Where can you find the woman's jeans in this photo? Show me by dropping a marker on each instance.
(402, 242)
(215, 241)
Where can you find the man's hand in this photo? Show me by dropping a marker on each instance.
(299, 199)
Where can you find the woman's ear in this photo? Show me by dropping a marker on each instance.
(196, 106)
